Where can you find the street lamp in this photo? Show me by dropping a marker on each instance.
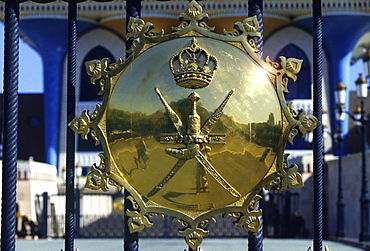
(340, 98)
(366, 61)
(360, 120)
(338, 137)
(361, 87)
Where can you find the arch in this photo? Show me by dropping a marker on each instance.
(293, 36)
(96, 38)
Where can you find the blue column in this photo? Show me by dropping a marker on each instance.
(50, 39)
(52, 63)
(340, 71)
(49, 36)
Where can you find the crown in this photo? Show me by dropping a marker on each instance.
(193, 67)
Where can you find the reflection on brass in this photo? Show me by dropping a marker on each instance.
(193, 156)
(193, 67)
(208, 166)
(195, 141)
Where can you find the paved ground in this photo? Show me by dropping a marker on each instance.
(178, 245)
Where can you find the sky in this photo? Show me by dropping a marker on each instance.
(30, 64)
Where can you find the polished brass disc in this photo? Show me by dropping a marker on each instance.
(251, 122)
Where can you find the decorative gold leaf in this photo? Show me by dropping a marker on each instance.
(194, 237)
(135, 25)
(137, 221)
(249, 223)
(193, 16)
(81, 125)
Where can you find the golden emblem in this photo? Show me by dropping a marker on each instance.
(195, 66)
(193, 154)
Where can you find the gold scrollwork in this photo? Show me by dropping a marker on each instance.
(133, 202)
(140, 218)
(137, 221)
(82, 124)
(194, 233)
(249, 26)
(101, 70)
(193, 15)
(249, 219)
(250, 222)
(290, 177)
(289, 68)
(138, 28)
(99, 178)
(308, 122)
(305, 123)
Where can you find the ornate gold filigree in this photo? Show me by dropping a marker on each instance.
(99, 178)
(137, 221)
(290, 178)
(138, 28)
(249, 219)
(83, 124)
(100, 69)
(194, 233)
(193, 15)
(308, 122)
(249, 26)
(289, 69)
(292, 134)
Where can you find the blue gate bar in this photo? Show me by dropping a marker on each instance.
(318, 142)
(130, 240)
(71, 105)
(255, 8)
(10, 128)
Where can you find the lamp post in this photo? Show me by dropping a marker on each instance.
(366, 61)
(340, 202)
(360, 120)
(340, 98)
(361, 87)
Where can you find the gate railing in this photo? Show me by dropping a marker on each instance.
(10, 117)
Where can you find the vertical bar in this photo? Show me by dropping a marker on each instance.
(10, 133)
(318, 142)
(78, 198)
(44, 215)
(364, 199)
(255, 8)
(130, 240)
(71, 105)
(340, 202)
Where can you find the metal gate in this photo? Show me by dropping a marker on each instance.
(11, 65)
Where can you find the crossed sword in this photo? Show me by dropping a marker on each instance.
(192, 149)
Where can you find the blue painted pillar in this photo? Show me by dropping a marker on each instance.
(52, 64)
(340, 71)
(49, 36)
